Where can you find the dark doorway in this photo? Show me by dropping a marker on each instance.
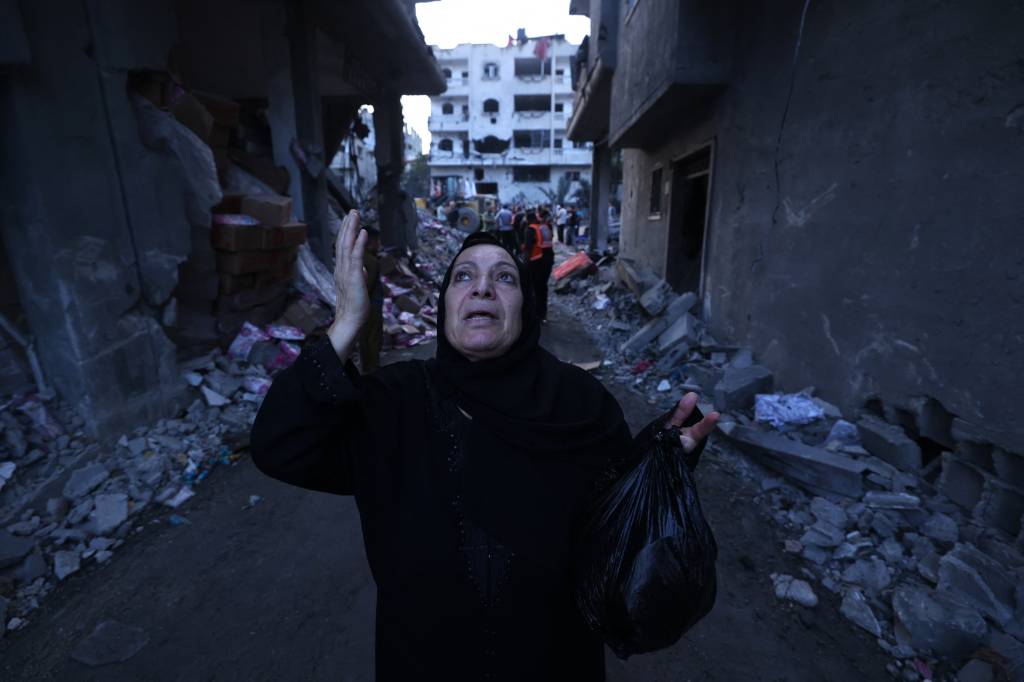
(486, 188)
(691, 177)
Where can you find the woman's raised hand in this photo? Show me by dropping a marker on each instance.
(353, 306)
(691, 436)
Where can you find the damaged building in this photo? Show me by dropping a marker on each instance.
(499, 127)
(127, 127)
(839, 186)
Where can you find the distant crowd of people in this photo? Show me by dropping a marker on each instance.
(530, 232)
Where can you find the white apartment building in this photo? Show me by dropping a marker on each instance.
(499, 128)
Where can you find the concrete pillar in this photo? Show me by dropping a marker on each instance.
(395, 227)
(601, 179)
(295, 113)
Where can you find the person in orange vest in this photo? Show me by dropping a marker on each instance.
(541, 256)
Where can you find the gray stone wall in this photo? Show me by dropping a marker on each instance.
(887, 259)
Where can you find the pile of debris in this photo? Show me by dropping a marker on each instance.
(83, 500)
(932, 572)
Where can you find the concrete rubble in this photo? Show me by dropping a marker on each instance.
(923, 549)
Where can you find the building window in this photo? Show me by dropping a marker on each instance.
(558, 143)
(531, 173)
(465, 75)
(490, 71)
(531, 66)
(531, 139)
(478, 173)
(447, 108)
(656, 192)
(490, 106)
(447, 74)
(573, 175)
(486, 188)
(559, 106)
(559, 72)
(532, 105)
(445, 145)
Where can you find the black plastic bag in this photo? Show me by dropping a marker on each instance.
(646, 556)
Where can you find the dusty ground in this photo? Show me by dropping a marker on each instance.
(281, 591)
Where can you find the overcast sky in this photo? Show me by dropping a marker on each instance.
(447, 23)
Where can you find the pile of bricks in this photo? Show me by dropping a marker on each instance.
(238, 271)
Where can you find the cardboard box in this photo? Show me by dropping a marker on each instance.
(222, 110)
(231, 284)
(251, 262)
(230, 203)
(258, 238)
(250, 298)
(270, 209)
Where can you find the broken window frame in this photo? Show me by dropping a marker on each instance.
(491, 71)
(524, 69)
(445, 144)
(538, 140)
(447, 109)
(531, 173)
(495, 110)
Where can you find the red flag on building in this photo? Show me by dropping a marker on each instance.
(511, 40)
(540, 50)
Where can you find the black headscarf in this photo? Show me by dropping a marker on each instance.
(527, 397)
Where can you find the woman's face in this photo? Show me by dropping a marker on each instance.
(483, 303)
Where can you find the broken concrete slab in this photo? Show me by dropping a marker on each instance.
(935, 621)
(1009, 467)
(110, 642)
(680, 304)
(888, 500)
(656, 298)
(636, 278)
(977, 580)
(889, 442)
(85, 480)
(789, 588)
(818, 470)
(672, 359)
(110, 512)
(856, 608)
(826, 510)
(873, 575)
(941, 527)
(684, 330)
(737, 387)
(822, 534)
(643, 337)
(65, 563)
(1001, 506)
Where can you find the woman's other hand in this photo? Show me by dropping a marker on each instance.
(353, 307)
(691, 436)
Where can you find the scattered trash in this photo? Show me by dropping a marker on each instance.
(249, 335)
(664, 385)
(180, 497)
(641, 367)
(178, 520)
(253, 501)
(785, 410)
(601, 302)
(257, 385)
(588, 366)
(576, 264)
(284, 332)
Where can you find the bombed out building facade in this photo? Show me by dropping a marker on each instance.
(126, 124)
(840, 186)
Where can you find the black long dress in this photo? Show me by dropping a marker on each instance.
(454, 601)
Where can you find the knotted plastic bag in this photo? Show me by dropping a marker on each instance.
(646, 556)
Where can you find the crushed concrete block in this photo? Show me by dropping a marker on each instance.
(110, 512)
(65, 563)
(885, 523)
(34, 566)
(889, 443)
(85, 480)
(822, 534)
(871, 574)
(672, 359)
(13, 549)
(891, 549)
(789, 588)
(705, 375)
(978, 581)
(684, 330)
(976, 454)
(1012, 651)
(634, 276)
(817, 469)
(742, 359)
(826, 510)
(656, 298)
(961, 482)
(941, 528)
(1001, 506)
(643, 337)
(932, 420)
(737, 388)
(680, 304)
(1009, 467)
(856, 608)
(213, 399)
(830, 410)
(935, 621)
(877, 499)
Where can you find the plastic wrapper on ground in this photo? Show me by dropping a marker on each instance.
(646, 555)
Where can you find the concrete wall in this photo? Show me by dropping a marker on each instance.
(887, 260)
(94, 222)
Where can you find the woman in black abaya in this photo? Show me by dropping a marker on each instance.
(469, 472)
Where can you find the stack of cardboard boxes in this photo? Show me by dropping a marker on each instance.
(238, 271)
